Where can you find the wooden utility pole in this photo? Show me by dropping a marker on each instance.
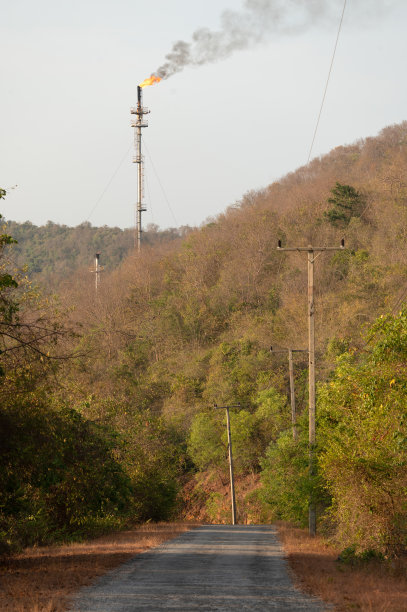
(292, 389)
(292, 394)
(311, 386)
(232, 482)
(311, 250)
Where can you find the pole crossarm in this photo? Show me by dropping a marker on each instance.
(288, 349)
(310, 249)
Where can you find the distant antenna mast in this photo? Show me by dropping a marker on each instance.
(139, 123)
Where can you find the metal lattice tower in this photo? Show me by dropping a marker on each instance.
(139, 123)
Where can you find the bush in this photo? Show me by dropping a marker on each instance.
(363, 428)
(287, 484)
(58, 475)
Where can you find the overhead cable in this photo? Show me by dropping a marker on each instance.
(327, 82)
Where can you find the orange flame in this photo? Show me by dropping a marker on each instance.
(150, 81)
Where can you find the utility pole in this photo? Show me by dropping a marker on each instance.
(292, 394)
(232, 482)
(311, 257)
(292, 389)
(98, 269)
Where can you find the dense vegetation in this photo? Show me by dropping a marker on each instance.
(53, 252)
(135, 370)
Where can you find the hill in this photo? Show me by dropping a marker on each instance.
(188, 323)
(53, 252)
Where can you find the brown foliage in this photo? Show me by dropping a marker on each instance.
(374, 585)
(156, 318)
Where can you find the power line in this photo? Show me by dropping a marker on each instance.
(399, 301)
(150, 201)
(327, 82)
(159, 182)
(109, 183)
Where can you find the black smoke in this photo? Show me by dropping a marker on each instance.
(257, 22)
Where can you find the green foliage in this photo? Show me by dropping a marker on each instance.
(233, 373)
(251, 433)
(154, 458)
(287, 486)
(272, 414)
(52, 251)
(351, 557)
(152, 453)
(389, 334)
(59, 475)
(8, 305)
(245, 441)
(361, 480)
(363, 428)
(205, 445)
(285, 480)
(346, 203)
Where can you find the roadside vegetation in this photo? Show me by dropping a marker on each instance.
(107, 400)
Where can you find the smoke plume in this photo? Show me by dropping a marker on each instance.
(259, 20)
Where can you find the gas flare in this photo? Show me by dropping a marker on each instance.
(150, 81)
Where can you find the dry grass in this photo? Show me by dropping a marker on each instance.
(41, 579)
(372, 586)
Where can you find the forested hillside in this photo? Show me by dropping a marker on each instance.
(52, 252)
(135, 369)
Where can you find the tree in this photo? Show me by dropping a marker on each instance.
(205, 445)
(29, 327)
(363, 431)
(347, 203)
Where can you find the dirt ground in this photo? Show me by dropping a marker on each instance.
(41, 579)
(371, 586)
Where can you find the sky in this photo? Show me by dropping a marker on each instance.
(69, 73)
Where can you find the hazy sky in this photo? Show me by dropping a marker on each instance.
(69, 74)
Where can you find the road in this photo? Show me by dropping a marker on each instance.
(214, 567)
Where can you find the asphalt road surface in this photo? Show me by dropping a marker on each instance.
(214, 567)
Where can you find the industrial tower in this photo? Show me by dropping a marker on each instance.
(139, 123)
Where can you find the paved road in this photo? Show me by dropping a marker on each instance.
(215, 567)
